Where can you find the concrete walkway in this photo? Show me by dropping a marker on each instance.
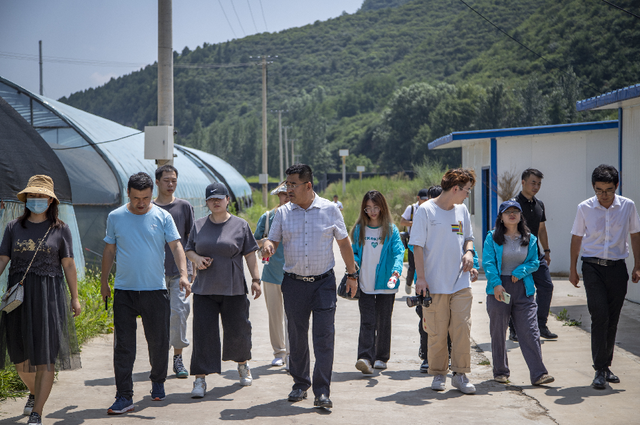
(400, 394)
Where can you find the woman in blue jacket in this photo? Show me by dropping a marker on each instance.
(509, 258)
(379, 252)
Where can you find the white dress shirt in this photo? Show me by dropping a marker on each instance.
(603, 230)
(307, 235)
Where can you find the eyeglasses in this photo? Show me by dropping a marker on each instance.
(290, 185)
(464, 189)
(512, 212)
(603, 192)
(373, 210)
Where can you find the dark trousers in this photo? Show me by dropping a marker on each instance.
(154, 308)
(606, 287)
(424, 337)
(522, 310)
(374, 342)
(411, 271)
(301, 299)
(208, 311)
(544, 293)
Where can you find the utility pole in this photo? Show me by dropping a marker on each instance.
(165, 68)
(282, 165)
(344, 153)
(40, 48)
(264, 131)
(286, 150)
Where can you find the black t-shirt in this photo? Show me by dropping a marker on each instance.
(20, 243)
(533, 212)
(182, 213)
(226, 244)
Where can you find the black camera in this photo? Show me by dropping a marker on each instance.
(422, 300)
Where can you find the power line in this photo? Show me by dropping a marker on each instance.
(251, 13)
(618, 7)
(237, 17)
(522, 45)
(227, 18)
(263, 18)
(97, 143)
(55, 59)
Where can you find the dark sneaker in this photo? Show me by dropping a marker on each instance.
(157, 391)
(178, 367)
(28, 408)
(34, 418)
(424, 367)
(121, 405)
(546, 333)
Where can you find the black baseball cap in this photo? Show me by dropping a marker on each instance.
(423, 194)
(216, 190)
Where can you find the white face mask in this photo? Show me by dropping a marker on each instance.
(37, 205)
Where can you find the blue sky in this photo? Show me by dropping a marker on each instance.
(115, 37)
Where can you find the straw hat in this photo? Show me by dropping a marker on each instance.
(38, 184)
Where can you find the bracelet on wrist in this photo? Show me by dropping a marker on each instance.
(547, 250)
(256, 280)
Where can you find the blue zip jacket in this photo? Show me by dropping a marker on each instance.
(391, 257)
(492, 264)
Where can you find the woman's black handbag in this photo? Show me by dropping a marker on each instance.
(342, 290)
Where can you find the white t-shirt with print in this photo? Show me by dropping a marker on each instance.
(370, 258)
(442, 235)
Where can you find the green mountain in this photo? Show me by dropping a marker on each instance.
(385, 81)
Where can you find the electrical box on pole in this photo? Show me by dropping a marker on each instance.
(158, 142)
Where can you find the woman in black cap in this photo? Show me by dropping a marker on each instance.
(39, 334)
(509, 258)
(216, 245)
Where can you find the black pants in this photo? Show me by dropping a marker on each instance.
(208, 310)
(301, 299)
(153, 307)
(411, 271)
(606, 287)
(374, 342)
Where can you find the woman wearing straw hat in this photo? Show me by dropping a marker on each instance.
(39, 335)
(272, 275)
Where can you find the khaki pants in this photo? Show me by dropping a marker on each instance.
(449, 314)
(277, 320)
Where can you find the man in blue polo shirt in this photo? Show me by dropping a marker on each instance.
(137, 233)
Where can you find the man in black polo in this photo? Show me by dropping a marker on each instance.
(534, 214)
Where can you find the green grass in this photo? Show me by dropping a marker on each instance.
(92, 321)
(564, 316)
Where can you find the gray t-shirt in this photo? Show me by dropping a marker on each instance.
(225, 243)
(513, 254)
(182, 213)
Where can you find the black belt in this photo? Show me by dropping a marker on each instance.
(601, 261)
(309, 278)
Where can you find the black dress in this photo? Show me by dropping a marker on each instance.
(41, 331)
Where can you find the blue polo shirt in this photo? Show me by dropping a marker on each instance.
(140, 241)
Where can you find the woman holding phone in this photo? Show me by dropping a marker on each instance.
(379, 252)
(509, 258)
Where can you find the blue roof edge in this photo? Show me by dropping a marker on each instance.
(522, 131)
(608, 98)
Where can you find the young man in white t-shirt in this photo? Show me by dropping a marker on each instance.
(442, 242)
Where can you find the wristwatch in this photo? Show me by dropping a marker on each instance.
(256, 280)
(473, 251)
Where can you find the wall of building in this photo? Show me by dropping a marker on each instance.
(631, 174)
(477, 155)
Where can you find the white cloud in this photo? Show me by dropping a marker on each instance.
(99, 79)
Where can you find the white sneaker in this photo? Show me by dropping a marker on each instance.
(461, 382)
(439, 383)
(277, 362)
(245, 374)
(379, 364)
(364, 366)
(199, 388)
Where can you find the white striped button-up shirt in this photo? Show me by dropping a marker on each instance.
(604, 231)
(307, 235)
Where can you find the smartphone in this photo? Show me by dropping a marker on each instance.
(507, 298)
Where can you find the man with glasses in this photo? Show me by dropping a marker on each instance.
(601, 227)
(307, 226)
(442, 241)
(535, 217)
